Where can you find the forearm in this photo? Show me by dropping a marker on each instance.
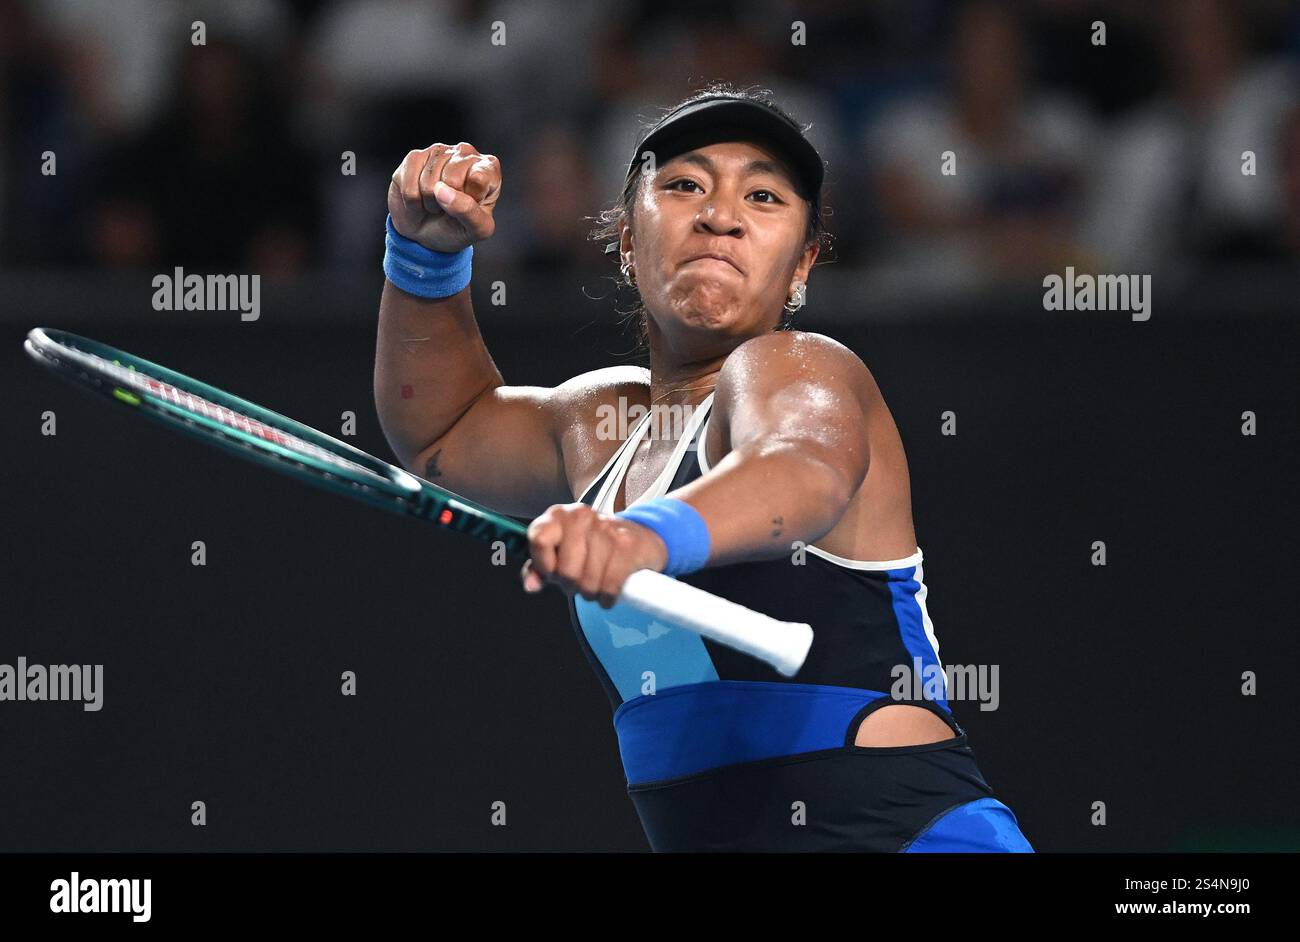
(430, 366)
(762, 498)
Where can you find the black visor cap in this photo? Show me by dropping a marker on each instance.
(711, 120)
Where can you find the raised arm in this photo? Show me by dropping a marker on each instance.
(442, 403)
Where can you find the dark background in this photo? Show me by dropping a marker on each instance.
(1118, 684)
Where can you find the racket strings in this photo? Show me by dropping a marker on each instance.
(223, 415)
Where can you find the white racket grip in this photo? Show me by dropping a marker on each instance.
(783, 644)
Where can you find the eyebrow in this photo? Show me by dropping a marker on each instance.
(754, 166)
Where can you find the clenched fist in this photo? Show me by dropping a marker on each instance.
(588, 552)
(443, 196)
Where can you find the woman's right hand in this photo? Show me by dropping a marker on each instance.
(443, 196)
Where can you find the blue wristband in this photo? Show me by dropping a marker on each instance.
(681, 528)
(424, 272)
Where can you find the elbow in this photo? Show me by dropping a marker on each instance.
(832, 478)
(827, 482)
(834, 488)
(389, 424)
(407, 427)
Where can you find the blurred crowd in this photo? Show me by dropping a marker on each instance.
(228, 156)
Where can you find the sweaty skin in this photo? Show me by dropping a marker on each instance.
(797, 417)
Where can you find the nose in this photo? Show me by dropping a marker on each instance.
(718, 217)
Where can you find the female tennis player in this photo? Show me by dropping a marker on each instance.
(786, 491)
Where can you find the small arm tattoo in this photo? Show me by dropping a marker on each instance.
(777, 524)
(431, 466)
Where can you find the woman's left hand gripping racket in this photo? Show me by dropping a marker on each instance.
(293, 448)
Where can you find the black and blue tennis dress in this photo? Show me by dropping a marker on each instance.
(722, 753)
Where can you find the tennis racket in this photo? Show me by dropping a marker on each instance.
(272, 440)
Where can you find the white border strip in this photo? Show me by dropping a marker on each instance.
(874, 565)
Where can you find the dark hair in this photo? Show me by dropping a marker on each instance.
(606, 229)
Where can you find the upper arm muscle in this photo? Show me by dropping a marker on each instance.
(792, 387)
(508, 450)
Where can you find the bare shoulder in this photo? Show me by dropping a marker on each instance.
(784, 357)
(580, 405)
(598, 387)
